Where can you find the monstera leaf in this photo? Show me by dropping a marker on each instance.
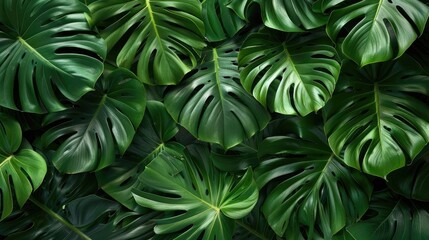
(284, 15)
(377, 30)
(101, 123)
(46, 46)
(152, 138)
(165, 36)
(205, 201)
(220, 21)
(376, 120)
(212, 105)
(21, 169)
(292, 74)
(67, 209)
(411, 181)
(313, 191)
(392, 218)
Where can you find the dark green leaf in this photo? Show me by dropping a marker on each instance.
(375, 119)
(289, 73)
(46, 46)
(165, 36)
(212, 105)
(283, 15)
(220, 21)
(100, 124)
(390, 218)
(315, 194)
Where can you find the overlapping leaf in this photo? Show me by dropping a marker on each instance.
(376, 120)
(152, 138)
(289, 73)
(66, 208)
(205, 201)
(165, 36)
(220, 21)
(284, 15)
(101, 124)
(45, 47)
(212, 105)
(313, 193)
(392, 218)
(377, 30)
(21, 169)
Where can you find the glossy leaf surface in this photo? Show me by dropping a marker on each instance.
(45, 47)
(101, 124)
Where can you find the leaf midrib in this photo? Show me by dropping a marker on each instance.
(40, 56)
(7, 160)
(59, 218)
(153, 23)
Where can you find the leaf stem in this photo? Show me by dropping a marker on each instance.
(59, 218)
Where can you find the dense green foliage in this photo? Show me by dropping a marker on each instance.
(214, 119)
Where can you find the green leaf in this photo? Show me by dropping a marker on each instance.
(45, 47)
(220, 21)
(377, 30)
(21, 170)
(283, 15)
(375, 120)
(291, 73)
(312, 192)
(210, 103)
(205, 201)
(165, 36)
(392, 218)
(65, 208)
(411, 181)
(100, 124)
(152, 138)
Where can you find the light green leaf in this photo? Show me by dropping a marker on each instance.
(375, 121)
(205, 200)
(102, 123)
(45, 47)
(290, 73)
(212, 105)
(377, 30)
(392, 218)
(21, 170)
(313, 194)
(152, 138)
(166, 37)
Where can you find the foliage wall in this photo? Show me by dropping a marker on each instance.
(214, 119)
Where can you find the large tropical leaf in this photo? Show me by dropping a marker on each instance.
(314, 194)
(212, 105)
(283, 15)
(411, 181)
(205, 201)
(100, 124)
(371, 31)
(291, 73)
(152, 138)
(65, 208)
(376, 120)
(392, 218)
(165, 36)
(46, 46)
(220, 21)
(21, 169)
